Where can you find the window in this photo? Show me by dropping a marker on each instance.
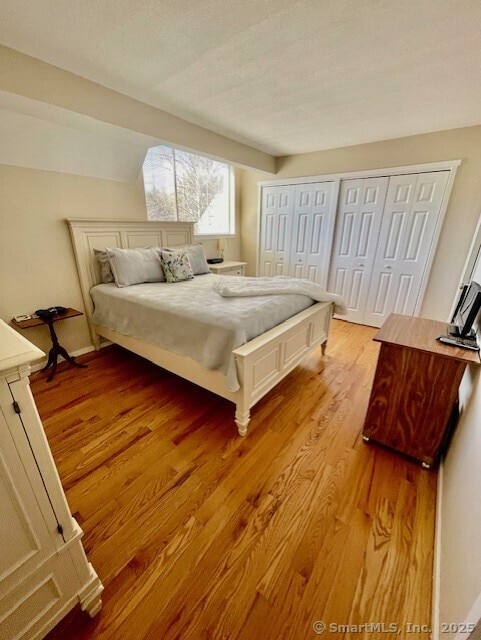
(189, 188)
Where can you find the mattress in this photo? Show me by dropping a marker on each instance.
(191, 319)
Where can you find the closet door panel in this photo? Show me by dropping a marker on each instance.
(358, 223)
(301, 230)
(276, 225)
(314, 211)
(412, 211)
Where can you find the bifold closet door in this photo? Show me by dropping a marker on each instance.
(297, 226)
(358, 223)
(410, 219)
(312, 230)
(384, 236)
(277, 206)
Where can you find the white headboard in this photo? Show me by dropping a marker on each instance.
(88, 235)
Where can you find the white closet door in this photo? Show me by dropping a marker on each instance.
(312, 230)
(276, 224)
(411, 214)
(359, 217)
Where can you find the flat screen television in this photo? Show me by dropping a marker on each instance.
(466, 311)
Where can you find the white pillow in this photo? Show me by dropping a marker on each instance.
(134, 266)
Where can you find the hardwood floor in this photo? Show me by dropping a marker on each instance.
(198, 533)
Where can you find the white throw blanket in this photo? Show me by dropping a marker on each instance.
(242, 287)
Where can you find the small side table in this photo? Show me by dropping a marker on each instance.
(57, 349)
(228, 268)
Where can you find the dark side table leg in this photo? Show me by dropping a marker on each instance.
(56, 351)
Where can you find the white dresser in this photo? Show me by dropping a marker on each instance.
(43, 568)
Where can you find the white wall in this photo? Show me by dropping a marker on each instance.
(459, 536)
(457, 596)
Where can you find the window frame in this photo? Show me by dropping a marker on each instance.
(232, 217)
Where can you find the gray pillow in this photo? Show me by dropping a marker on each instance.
(197, 259)
(134, 266)
(105, 270)
(196, 255)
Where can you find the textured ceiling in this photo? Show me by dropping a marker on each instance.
(285, 77)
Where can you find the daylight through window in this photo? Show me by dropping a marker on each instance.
(189, 188)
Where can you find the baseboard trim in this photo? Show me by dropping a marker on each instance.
(437, 556)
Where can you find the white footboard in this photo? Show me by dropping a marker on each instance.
(261, 363)
(266, 360)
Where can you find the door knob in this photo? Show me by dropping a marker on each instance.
(360, 264)
(388, 267)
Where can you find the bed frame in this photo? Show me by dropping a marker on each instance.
(261, 363)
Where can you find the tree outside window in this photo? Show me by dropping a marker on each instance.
(190, 188)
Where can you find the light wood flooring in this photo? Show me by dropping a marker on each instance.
(199, 534)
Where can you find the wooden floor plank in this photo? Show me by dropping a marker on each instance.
(200, 534)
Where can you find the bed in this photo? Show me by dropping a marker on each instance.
(251, 369)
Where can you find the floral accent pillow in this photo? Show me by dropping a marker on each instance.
(196, 255)
(176, 265)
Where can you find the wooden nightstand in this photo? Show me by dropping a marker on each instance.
(228, 268)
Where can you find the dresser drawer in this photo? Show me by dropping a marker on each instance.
(232, 272)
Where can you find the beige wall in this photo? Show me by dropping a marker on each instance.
(461, 217)
(37, 267)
